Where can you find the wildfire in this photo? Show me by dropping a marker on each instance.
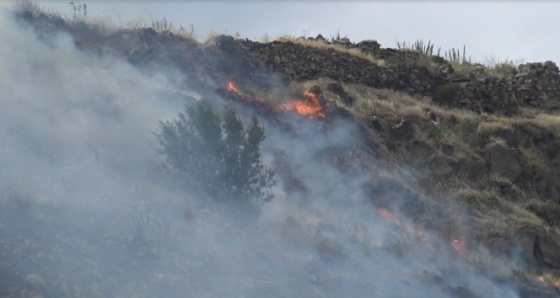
(406, 228)
(230, 86)
(388, 215)
(459, 245)
(549, 280)
(309, 107)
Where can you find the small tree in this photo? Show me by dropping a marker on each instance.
(218, 154)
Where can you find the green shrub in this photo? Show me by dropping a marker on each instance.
(506, 69)
(218, 155)
(446, 93)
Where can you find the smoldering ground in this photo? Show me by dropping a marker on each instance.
(89, 209)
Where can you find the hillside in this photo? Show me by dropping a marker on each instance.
(398, 172)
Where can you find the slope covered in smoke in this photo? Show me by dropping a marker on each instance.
(90, 209)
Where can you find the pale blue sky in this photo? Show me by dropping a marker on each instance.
(516, 30)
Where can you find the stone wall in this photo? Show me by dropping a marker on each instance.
(538, 85)
(294, 61)
(535, 84)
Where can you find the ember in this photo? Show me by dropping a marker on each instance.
(549, 280)
(459, 245)
(310, 107)
(388, 215)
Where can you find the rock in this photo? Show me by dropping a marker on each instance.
(539, 244)
(403, 130)
(315, 90)
(225, 43)
(504, 161)
(337, 89)
(468, 168)
(320, 38)
(377, 123)
(369, 46)
(549, 212)
(445, 69)
(344, 41)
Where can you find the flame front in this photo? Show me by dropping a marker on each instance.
(233, 89)
(309, 107)
(549, 280)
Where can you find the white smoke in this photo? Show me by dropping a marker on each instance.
(101, 217)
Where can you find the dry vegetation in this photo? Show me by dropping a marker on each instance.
(325, 46)
(469, 134)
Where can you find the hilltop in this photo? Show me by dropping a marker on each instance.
(462, 149)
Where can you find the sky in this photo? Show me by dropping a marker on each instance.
(520, 31)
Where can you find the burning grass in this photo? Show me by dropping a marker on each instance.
(309, 106)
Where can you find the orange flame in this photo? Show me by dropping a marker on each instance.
(549, 280)
(459, 245)
(232, 88)
(310, 107)
(388, 215)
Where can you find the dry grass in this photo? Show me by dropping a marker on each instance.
(535, 159)
(163, 25)
(325, 46)
(392, 106)
(493, 209)
(502, 68)
(390, 103)
(106, 26)
(492, 127)
(458, 59)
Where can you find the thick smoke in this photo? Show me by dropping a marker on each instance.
(89, 210)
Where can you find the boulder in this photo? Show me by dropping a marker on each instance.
(320, 38)
(369, 46)
(337, 89)
(540, 244)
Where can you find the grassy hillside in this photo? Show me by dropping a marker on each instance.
(399, 171)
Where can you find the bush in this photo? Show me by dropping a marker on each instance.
(506, 69)
(218, 155)
(446, 93)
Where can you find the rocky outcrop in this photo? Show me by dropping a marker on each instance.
(538, 85)
(297, 62)
(534, 84)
